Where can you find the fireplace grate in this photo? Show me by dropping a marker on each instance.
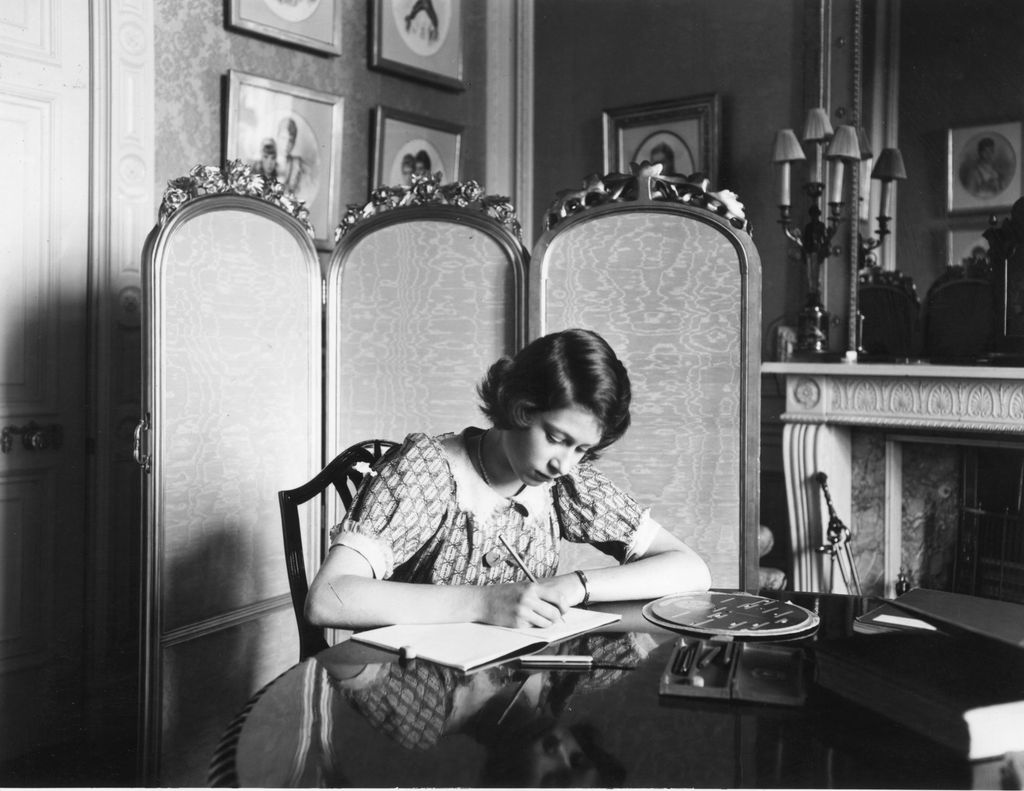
(991, 556)
(990, 546)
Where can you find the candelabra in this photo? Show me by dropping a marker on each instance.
(838, 149)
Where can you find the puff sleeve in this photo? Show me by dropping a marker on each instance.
(399, 507)
(591, 509)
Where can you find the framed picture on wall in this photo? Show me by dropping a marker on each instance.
(984, 167)
(292, 134)
(967, 246)
(405, 144)
(421, 39)
(681, 134)
(313, 24)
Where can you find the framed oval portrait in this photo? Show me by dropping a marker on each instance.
(984, 168)
(293, 135)
(669, 149)
(312, 24)
(682, 135)
(421, 39)
(405, 144)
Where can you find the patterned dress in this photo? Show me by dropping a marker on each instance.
(426, 515)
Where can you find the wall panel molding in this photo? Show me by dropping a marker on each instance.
(509, 163)
(123, 212)
(28, 28)
(26, 124)
(26, 601)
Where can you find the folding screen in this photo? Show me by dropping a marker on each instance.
(245, 394)
(668, 273)
(422, 293)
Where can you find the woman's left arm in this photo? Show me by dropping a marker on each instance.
(592, 509)
(668, 566)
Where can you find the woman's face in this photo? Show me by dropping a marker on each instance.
(557, 760)
(552, 445)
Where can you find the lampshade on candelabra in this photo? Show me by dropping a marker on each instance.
(787, 150)
(887, 169)
(817, 130)
(844, 148)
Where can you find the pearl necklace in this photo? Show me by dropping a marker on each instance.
(480, 458)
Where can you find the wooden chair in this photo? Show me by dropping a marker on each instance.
(958, 318)
(891, 309)
(345, 473)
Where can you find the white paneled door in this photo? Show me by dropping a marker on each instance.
(44, 204)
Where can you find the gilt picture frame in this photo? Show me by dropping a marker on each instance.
(292, 134)
(405, 143)
(311, 24)
(681, 134)
(984, 167)
(419, 39)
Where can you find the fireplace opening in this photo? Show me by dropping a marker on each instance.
(989, 560)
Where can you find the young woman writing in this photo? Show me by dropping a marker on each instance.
(477, 514)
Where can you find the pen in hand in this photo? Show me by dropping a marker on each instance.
(517, 559)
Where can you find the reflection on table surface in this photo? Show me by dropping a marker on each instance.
(355, 716)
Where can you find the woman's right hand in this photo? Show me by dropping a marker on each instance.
(521, 604)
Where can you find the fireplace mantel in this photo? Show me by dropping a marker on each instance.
(913, 396)
(824, 401)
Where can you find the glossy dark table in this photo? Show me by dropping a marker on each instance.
(354, 716)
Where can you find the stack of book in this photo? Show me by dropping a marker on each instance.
(948, 666)
(954, 613)
(887, 618)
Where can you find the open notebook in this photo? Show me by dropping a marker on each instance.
(468, 646)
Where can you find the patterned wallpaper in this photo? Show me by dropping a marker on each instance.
(194, 51)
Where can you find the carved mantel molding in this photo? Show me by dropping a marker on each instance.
(938, 398)
(824, 401)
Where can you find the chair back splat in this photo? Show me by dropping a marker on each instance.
(345, 473)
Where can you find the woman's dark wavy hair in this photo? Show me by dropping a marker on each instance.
(572, 367)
